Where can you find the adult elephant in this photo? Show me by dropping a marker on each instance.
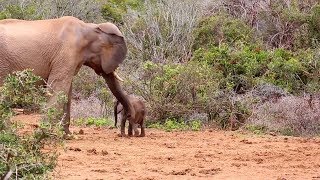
(56, 49)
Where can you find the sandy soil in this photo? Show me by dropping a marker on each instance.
(100, 154)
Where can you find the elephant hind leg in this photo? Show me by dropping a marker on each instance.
(143, 126)
(3, 73)
(123, 124)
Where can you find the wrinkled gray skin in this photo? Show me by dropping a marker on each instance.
(56, 49)
(139, 118)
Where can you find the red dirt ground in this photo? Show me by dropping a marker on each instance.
(100, 154)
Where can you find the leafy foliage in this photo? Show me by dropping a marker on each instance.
(33, 10)
(221, 29)
(99, 122)
(12, 11)
(248, 66)
(114, 10)
(20, 90)
(22, 154)
(177, 125)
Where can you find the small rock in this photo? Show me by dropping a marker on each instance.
(81, 131)
(74, 149)
(211, 171)
(246, 141)
(92, 151)
(104, 152)
(272, 134)
(170, 158)
(169, 145)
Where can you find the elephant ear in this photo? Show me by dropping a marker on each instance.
(109, 28)
(114, 47)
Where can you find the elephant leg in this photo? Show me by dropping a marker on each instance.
(123, 125)
(67, 111)
(130, 133)
(3, 72)
(143, 126)
(60, 86)
(135, 129)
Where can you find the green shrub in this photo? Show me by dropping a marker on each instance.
(175, 90)
(256, 129)
(99, 122)
(287, 131)
(22, 155)
(114, 10)
(20, 90)
(280, 24)
(12, 11)
(221, 29)
(195, 125)
(177, 125)
(247, 66)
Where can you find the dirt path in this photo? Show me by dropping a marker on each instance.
(100, 154)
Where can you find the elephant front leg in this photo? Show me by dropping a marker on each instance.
(135, 129)
(143, 126)
(67, 112)
(60, 100)
(123, 125)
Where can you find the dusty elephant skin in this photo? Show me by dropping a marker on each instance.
(139, 109)
(56, 49)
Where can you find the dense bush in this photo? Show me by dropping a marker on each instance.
(178, 91)
(221, 29)
(32, 9)
(20, 91)
(114, 10)
(21, 154)
(249, 66)
(15, 11)
(280, 23)
(161, 32)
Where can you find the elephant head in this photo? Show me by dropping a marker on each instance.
(105, 50)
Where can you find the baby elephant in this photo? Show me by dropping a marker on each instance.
(139, 118)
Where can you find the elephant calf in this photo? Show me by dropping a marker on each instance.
(139, 118)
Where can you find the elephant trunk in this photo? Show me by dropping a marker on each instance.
(115, 111)
(117, 91)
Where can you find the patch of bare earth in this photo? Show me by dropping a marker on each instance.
(100, 154)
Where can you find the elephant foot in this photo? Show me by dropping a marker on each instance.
(142, 135)
(122, 135)
(70, 137)
(67, 130)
